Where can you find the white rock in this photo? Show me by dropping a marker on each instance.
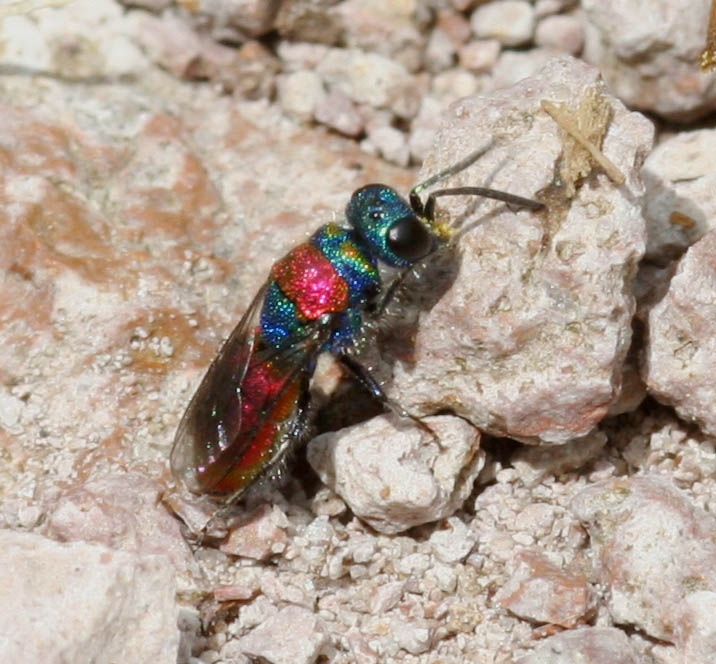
(300, 92)
(391, 143)
(369, 78)
(413, 636)
(679, 204)
(529, 338)
(84, 603)
(680, 358)
(453, 543)
(393, 475)
(294, 635)
(515, 66)
(512, 22)
(649, 54)
(652, 548)
(586, 645)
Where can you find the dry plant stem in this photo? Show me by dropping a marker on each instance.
(565, 121)
(708, 55)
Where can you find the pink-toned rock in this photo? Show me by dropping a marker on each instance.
(259, 535)
(586, 645)
(480, 55)
(650, 55)
(393, 475)
(696, 628)
(120, 511)
(541, 591)
(269, 640)
(93, 604)
(652, 551)
(337, 111)
(530, 336)
(679, 205)
(562, 33)
(454, 25)
(680, 357)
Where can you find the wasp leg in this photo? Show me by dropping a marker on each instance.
(387, 298)
(370, 384)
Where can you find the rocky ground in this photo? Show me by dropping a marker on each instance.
(156, 157)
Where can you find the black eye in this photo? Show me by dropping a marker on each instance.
(409, 239)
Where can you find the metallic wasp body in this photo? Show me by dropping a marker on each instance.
(252, 404)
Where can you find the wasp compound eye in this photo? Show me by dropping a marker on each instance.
(409, 239)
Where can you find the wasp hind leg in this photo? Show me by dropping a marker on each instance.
(369, 383)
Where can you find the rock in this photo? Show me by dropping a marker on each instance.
(391, 28)
(587, 645)
(337, 111)
(269, 641)
(678, 203)
(480, 55)
(533, 464)
(440, 51)
(94, 604)
(453, 543)
(260, 535)
(695, 629)
(311, 21)
(511, 22)
(547, 7)
(300, 93)
(530, 333)
(652, 550)
(119, 511)
(541, 591)
(390, 143)
(650, 58)
(234, 19)
(515, 66)
(151, 5)
(563, 33)
(369, 78)
(411, 479)
(679, 362)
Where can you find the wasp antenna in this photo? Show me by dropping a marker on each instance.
(510, 199)
(448, 172)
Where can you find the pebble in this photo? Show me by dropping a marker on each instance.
(300, 92)
(511, 22)
(562, 32)
(479, 55)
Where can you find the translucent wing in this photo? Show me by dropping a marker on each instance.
(247, 410)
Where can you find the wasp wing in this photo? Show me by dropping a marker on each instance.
(247, 409)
